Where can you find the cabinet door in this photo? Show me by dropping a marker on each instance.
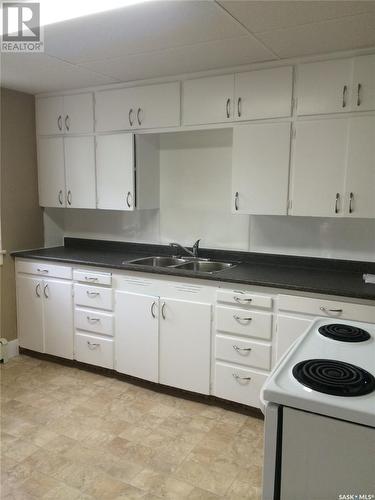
(264, 93)
(185, 341)
(49, 115)
(137, 335)
(158, 106)
(30, 313)
(318, 168)
(58, 318)
(323, 87)
(363, 95)
(115, 109)
(289, 329)
(208, 100)
(51, 172)
(80, 172)
(78, 113)
(360, 176)
(115, 171)
(260, 173)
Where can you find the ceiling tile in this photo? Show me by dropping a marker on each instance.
(188, 59)
(260, 16)
(34, 73)
(341, 34)
(140, 28)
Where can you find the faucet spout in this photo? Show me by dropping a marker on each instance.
(193, 253)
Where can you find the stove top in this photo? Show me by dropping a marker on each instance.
(325, 373)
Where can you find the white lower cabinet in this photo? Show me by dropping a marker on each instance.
(30, 313)
(289, 329)
(137, 335)
(94, 350)
(243, 352)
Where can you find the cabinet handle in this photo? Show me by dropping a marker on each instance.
(228, 107)
(59, 122)
(344, 95)
(162, 310)
(238, 318)
(69, 198)
(92, 294)
(239, 378)
(239, 107)
(93, 320)
(139, 116)
(241, 350)
(67, 122)
(60, 196)
(359, 100)
(46, 293)
(43, 271)
(326, 310)
(236, 200)
(153, 309)
(128, 199)
(337, 201)
(131, 121)
(91, 279)
(241, 300)
(351, 200)
(37, 290)
(92, 346)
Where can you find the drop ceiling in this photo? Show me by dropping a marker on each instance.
(166, 38)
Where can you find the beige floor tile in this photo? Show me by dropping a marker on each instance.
(243, 491)
(38, 484)
(161, 485)
(199, 494)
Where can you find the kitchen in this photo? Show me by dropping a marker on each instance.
(188, 235)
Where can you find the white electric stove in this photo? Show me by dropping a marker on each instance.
(320, 415)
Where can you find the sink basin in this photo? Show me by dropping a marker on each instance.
(204, 266)
(159, 261)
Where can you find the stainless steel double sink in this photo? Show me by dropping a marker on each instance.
(184, 263)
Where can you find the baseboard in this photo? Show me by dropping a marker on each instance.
(13, 349)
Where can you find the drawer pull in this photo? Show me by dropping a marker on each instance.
(242, 350)
(42, 270)
(92, 294)
(240, 379)
(91, 279)
(93, 320)
(326, 310)
(92, 346)
(238, 318)
(241, 300)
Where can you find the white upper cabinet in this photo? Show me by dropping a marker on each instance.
(152, 106)
(208, 100)
(115, 171)
(363, 88)
(260, 168)
(51, 172)
(324, 87)
(318, 168)
(80, 172)
(72, 114)
(263, 94)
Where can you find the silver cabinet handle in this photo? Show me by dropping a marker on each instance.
(228, 107)
(359, 100)
(344, 95)
(238, 318)
(239, 107)
(60, 197)
(46, 291)
(92, 346)
(351, 200)
(128, 199)
(239, 378)
(93, 320)
(236, 200)
(67, 122)
(91, 279)
(37, 290)
(69, 198)
(153, 309)
(337, 201)
(241, 350)
(326, 309)
(59, 122)
(43, 271)
(139, 116)
(92, 294)
(130, 117)
(163, 310)
(241, 300)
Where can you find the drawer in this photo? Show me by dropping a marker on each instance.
(244, 352)
(241, 298)
(93, 296)
(94, 350)
(243, 322)
(334, 309)
(92, 277)
(93, 321)
(40, 268)
(238, 384)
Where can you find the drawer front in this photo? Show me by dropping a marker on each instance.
(92, 277)
(94, 350)
(327, 308)
(94, 321)
(241, 298)
(244, 352)
(93, 296)
(238, 384)
(244, 322)
(43, 269)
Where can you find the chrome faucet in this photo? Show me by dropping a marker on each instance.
(193, 253)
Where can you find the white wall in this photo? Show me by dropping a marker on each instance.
(195, 178)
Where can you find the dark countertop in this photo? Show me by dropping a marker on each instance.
(325, 276)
